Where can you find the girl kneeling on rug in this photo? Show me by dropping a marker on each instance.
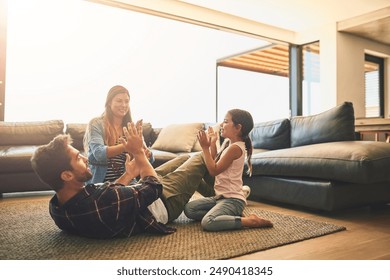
(224, 210)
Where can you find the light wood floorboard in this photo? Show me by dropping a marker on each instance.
(367, 236)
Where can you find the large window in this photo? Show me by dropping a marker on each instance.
(265, 96)
(272, 76)
(63, 59)
(256, 80)
(374, 86)
(311, 99)
(64, 55)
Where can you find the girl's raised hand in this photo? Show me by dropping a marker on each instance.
(204, 140)
(213, 136)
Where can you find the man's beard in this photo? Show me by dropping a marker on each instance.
(84, 177)
(88, 175)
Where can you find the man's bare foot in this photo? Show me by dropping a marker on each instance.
(254, 221)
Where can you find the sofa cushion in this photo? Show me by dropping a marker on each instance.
(177, 137)
(29, 133)
(76, 131)
(271, 135)
(347, 161)
(336, 124)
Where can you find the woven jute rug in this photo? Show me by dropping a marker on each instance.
(28, 233)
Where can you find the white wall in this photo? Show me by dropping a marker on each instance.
(327, 37)
(350, 74)
(342, 67)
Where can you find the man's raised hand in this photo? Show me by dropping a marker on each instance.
(133, 141)
(134, 144)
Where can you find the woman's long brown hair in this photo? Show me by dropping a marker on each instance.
(110, 136)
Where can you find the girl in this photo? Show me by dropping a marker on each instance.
(224, 210)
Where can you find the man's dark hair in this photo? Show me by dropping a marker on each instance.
(50, 160)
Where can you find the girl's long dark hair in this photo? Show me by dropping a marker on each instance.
(244, 118)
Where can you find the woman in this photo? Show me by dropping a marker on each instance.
(106, 154)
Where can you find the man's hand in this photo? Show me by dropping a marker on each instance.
(134, 145)
(133, 141)
(131, 167)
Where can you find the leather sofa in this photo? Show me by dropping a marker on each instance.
(312, 161)
(18, 141)
(315, 162)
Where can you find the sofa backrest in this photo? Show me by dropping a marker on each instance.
(29, 133)
(336, 124)
(77, 131)
(271, 135)
(149, 134)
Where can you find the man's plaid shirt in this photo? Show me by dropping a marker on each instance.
(110, 210)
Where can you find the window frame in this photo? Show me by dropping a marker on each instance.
(3, 55)
(381, 76)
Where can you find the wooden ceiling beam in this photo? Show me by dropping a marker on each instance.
(264, 70)
(266, 56)
(270, 63)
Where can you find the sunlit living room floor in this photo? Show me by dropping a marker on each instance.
(367, 236)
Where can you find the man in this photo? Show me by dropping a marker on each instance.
(114, 209)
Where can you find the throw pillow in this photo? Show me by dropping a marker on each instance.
(271, 135)
(177, 137)
(336, 124)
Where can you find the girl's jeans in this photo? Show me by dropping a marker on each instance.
(216, 214)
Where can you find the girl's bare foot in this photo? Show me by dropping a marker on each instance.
(254, 221)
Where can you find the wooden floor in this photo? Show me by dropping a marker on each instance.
(367, 236)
